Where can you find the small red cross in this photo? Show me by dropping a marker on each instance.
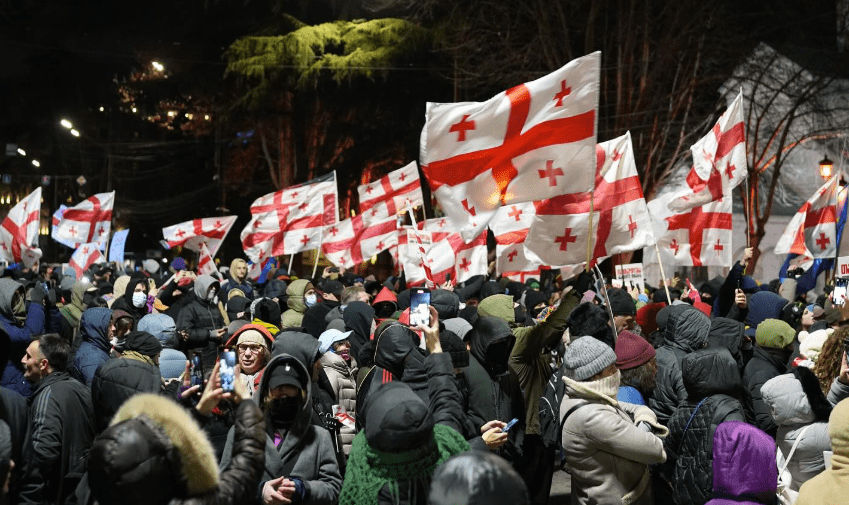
(470, 210)
(632, 226)
(674, 245)
(430, 261)
(461, 127)
(718, 247)
(823, 241)
(551, 172)
(257, 223)
(373, 211)
(25, 205)
(563, 93)
(85, 250)
(441, 223)
(729, 170)
(333, 231)
(261, 253)
(101, 231)
(566, 239)
(512, 255)
(303, 206)
(73, 231)
(617, 155)
(180, 233)
(403, 176)
(3, 245)
(369, 189)
(515, 212)
(380, 245)
(465, 264)
(305, 240)
(217, 224)
(295, 194)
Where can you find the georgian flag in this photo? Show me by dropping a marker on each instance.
(699, 237)
(534, 141)
(84, 257)
(57, 218)
(195, 233)
(813, 230)
(391, 194)
(19, 231)
(511, 223)
(351, 242)
(439, 228)
(620, 222)
(87, 222)
(206, 265)
(512, 263)
(719, 161)
(446, 257)
(320, 189)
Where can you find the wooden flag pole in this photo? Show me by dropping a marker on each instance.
(291, 260)
(662, 274)
(590, 234)
(607, 303)
(318, 251)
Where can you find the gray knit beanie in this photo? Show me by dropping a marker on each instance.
(586, 357)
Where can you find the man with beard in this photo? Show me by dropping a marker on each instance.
(635, 359)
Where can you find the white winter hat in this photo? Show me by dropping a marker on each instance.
(811, 343)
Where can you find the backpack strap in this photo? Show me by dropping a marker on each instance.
(687, 427)
(568, 413)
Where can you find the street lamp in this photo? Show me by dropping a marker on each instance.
(826, 168)
(159, 67)
(75, 133)
(35, 163)
(67, 124)
(22, 152)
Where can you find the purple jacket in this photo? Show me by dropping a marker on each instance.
(744, 470)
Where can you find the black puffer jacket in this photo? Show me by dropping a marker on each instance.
(728, 333)
(116, 381)
(200, 318)
(494, 391)
(358, 317)
(712, 383)
(392, 346)
(685, 330)
(446, 303)
(764, 365)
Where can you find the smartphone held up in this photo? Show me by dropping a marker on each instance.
(227, 370)
(419, 307)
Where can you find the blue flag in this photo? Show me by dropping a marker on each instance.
(119, 240)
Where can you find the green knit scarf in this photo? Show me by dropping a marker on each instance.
(369, 469)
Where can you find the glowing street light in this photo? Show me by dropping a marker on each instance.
(826, 166)
(75, 133)
(101, 109)
(159, 67)
(35, 163)
(135, 110)
(22, 152)
(67, 124)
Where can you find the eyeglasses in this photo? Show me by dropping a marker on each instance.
(244, 348)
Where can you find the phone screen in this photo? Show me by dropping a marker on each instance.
(197, 370)
(840, 293)
(226, 370)
(419, 311)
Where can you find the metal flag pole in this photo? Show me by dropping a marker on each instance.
(291, 260)
(590, 233)
(598, 274)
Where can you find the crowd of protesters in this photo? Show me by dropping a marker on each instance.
(115, 390)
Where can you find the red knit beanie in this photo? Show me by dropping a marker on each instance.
(647, 317)
(632, 351)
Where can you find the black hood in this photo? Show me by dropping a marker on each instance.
(446, 303)
(395, 418)
(727, 333)
(591, 320)
(708, 372)
(492, 288)
(492, 341)
(684, 327)
(403, 300)
(298, 344)
(302, 421)
(392, 345)
(266, 310)
(238, 304)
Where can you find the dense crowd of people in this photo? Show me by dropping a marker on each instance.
(118, 389)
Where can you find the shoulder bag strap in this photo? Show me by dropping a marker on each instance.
(568, 413)
(687, 427)
(793, 449)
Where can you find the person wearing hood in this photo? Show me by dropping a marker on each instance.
(359, 318)
(300, 464)
(96, 330)
(608, 445)
(314, 321)
(725, 301)
(744, 467)
(477, 478)
(172, 363)
(252, 344)
(21, 323)
(341, 370)
(713, 392)
(385, 304)
(178, 292)
(82, 295)
(237, 278)
(830, 486)
(623, 308)
(122, 324)
(201, 323)
(685, 330)
(300, 296)
(264, 312)
(134, 301)
(770, 357)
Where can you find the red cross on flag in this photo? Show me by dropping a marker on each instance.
(534, 141)
(19, 231)
(449, 255)
(85, 256)
(195, 233)
(813, 230)
(620, 223)
(291, 220)
(719, 161)
(391, 194)
(469, 259)
(206, 265)
(88, 221)
(511, 262)
(699, 237)
(439, 228)
(353, 242)
(511, 223)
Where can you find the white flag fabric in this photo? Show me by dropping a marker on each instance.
(351, 241)
(511, 223)
(87, 222)
(512, 263)
(448, 257)
(813, 230)
(719, 161)
(531, 142)
(620, 222)
(206, 265)
(391, 194)
(195, 233)
(85, 256)
(698, 237)
(19, 231)
(291, 220)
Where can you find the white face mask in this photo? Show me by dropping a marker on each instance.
(139, 299)
(309, 300)
(212, 296)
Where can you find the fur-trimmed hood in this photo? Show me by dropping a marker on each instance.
(796, 398)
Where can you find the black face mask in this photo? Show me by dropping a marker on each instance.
(284, 410)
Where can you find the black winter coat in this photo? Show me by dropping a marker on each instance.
(764, 365)
(26, 485)
(116, 381)
(198, 318)
(710, 375)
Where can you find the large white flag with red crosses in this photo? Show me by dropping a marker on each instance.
(534, 141)
(351, 241)
(291, 220)
(206, 265)
(620, 222)
(510, 224)
(19, 231)
(699, 237)
(511, 262)
(85, 256)
(391, 194)
(88, 221)
(813, 230)
(193, 234)
(719, 161)
(446, 255)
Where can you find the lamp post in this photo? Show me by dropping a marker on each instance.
(826, 168)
